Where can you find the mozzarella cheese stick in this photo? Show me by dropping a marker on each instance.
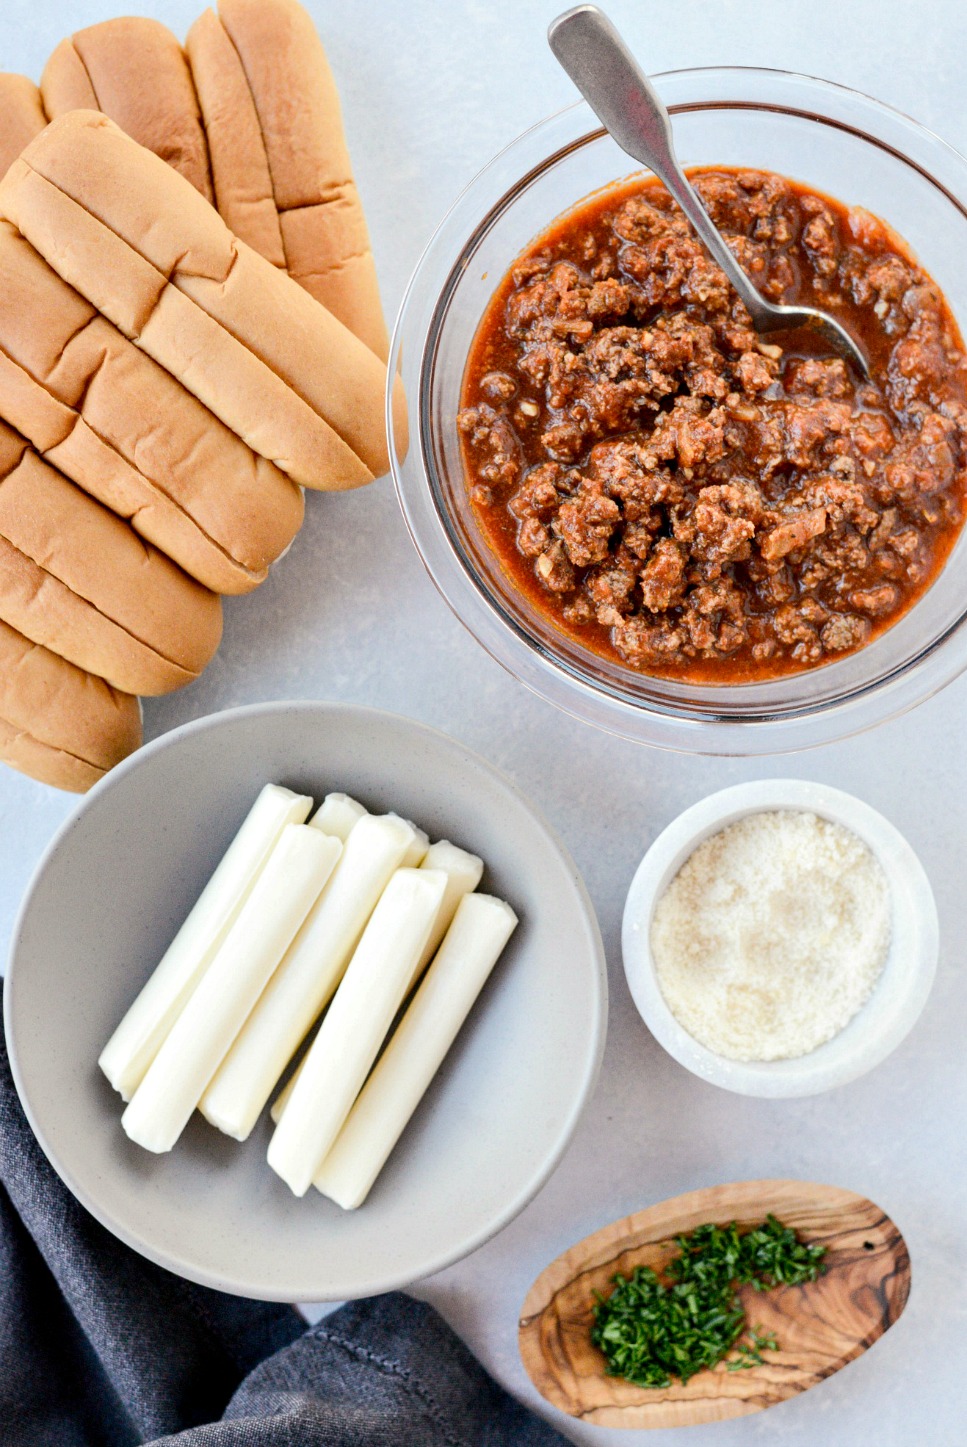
(137, 1039)
(416, 853)
(281, 897)
(474, 942)
(464, 872)
(337, 814)
(355, 1026)
(282, 1099)
(307, 978)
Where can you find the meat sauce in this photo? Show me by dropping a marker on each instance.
(689, 500)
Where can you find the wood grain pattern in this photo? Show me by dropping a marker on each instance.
(820, 1326)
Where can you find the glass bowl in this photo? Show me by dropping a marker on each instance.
(831, 138)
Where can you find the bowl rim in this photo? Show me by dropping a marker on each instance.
(908, 971)
(586, 1080)
(765, 728)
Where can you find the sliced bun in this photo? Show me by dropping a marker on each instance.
(21, 117)
(134, 70)
(79, 581)
(240, 167)
(57, 723)
(280, 82)
(142, 247)
(89, 400)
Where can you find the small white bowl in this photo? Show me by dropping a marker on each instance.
(898, 997)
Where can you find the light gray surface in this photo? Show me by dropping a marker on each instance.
(431, 89)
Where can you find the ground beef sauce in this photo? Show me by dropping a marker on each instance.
(683, 497)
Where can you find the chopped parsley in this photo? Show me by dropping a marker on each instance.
(653, 1329)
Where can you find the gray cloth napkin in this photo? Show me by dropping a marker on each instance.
(100, 1348)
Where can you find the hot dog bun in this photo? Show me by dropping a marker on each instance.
(91, 402)
(240, 167)
(77, 580)
(138, 243)
(134, 70)
(273, 116)
(57, 723)
(21, 117)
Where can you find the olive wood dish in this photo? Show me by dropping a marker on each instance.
(820, 1326)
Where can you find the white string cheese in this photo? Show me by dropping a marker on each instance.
(356, 1025)
(338, 814)
(474, 942)
(416, 853)
(308, 976)
(137, 1040)
(464, 872)
(276, 907)
(282, 1099)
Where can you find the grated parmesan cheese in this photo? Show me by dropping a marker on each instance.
(772, 935)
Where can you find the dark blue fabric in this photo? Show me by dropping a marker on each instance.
(100, 1348)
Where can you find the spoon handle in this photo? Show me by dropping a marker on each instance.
(606, 73)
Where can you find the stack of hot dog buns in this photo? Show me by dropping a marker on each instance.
(135, 71)
(249, 114)
(79, 581)
(172, 375)
(281, 172)
(58, 723)
(22, 116)
(91, 401)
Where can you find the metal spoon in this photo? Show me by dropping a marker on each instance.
(624, 100)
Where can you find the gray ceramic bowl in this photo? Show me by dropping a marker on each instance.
(111, 891)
